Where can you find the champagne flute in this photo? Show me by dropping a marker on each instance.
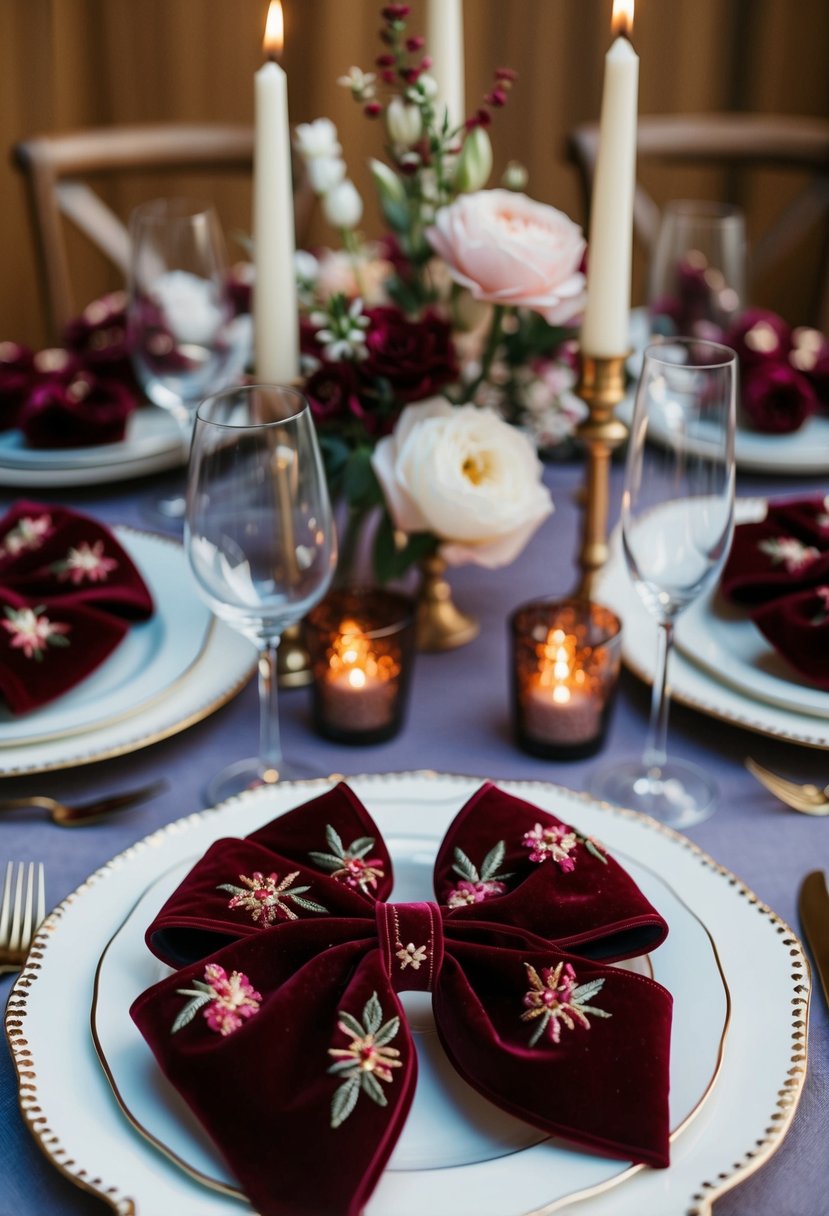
(179, 314)
(260, 540)
(698, 269)
(677, 524)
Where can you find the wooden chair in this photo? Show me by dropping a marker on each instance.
(58, 170)
(734, 142)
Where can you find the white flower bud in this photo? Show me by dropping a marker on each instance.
(343, 206)
(389, 185)
(515, 176)
(318, 138)
(474, 162)
(403, 122)
(324, 173)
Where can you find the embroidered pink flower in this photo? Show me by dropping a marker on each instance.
(28, 533)
(366, 1061)
(789, 552)
(476, 886)
(350, 865)
(557, 843)
(32, 631)
(85, 561)
(555, 997)
(264, 897)
(227, 1000)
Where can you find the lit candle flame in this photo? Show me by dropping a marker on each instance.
(274, 39)
(621, 21)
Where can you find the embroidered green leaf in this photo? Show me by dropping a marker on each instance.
(309, 905)
(57, 639)
(372, 1014)
(386, 1033)
(541, 1026)
(493, 860)
(344, 1100)
(361, 846)
(595, 850)
(585, 991)
(334, 841)
(464, 866)
(326, 861)
(190, 1010)
(228, 886)
(351, 1022)
(342, 1066)
(373, 1088)
(597, 1013)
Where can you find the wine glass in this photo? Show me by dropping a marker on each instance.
(260, 539)
(677, 523)
(180, 322)
(698, 269)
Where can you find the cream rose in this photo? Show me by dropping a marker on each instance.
(508, 249)
(467, 476)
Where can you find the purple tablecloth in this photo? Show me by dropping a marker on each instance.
(458, 722)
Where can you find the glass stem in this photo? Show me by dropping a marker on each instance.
(656, 747)
(270, 743)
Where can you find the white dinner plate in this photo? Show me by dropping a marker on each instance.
(804, 452)
(753, 1098)
(153, 442)
(167, 673)
(709, 690)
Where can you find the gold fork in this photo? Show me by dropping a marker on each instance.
(85, 812)
(806, 798)
(20, 912)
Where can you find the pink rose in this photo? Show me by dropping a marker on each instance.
(508, 249)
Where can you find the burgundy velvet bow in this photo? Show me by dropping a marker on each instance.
(283, 1031)
(779, 568)
(68, 592)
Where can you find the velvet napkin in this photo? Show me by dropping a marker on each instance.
(68, 593)
(283, 1031)
(778, 568)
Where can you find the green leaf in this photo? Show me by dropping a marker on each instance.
(189, 1011)
(361, 846)
(342, 1066)
(597, 1013)
(493, 859)
(395, 213)
(308, 904)
(334, 842)
(351, 1022)
(464, 866)
(326, 860)
(360, 484)
(227, 886)
(373, 1088)
(392, 561)
(344, 1100)
(540, 1028)
(585, 991)
(372, 1014)
(57, 639)
(387, 1032)
(595, 851)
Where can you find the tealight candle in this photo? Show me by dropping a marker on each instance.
(360, 642)
(565, 668)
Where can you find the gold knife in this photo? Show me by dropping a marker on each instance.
(813, 906)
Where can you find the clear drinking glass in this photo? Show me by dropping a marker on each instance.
(179, 312)
(677, 523)
(260, 539)
(698, 269)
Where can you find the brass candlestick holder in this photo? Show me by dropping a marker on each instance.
(601, 386)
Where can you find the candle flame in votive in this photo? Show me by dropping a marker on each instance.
(357, 677)
(621, 20)
(274, 39)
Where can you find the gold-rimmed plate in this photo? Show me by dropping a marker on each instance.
(754, 1094)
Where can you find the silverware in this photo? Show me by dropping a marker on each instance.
(22, 908)
(84, 812)
(813, 906)
(807, 798)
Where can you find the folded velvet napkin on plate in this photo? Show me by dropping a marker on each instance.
(282, 1027)
(778, 568)
(68, 592)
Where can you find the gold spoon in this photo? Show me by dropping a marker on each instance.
(806, 798)
(85, 812)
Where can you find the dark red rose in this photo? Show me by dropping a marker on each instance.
(759, 336)
(240, 288)
(776, 399)
(82, 412)
(417, 358)
(99, 338)
(333, 395)
(17, 375)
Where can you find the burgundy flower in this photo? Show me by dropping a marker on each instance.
(98, 337)
(776, 398)
(758, 337)
(333, 395)
(417, 358)
(17, 375)
(85, 411)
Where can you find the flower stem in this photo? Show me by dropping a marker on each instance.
(496, 331)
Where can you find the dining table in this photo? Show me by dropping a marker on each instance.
(459, 721)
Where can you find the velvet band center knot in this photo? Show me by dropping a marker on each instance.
(411, 942)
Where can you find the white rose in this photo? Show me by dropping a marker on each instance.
(325, 172)
(343, 206)
(465, 475)
(317, 138)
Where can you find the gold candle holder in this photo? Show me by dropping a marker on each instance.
(601, 386)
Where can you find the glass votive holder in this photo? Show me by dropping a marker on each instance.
(361, 645)
(565, 667)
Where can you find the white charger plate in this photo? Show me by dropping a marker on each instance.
(168, 673)
(153, 443)
(754, 1097)
(711, 691)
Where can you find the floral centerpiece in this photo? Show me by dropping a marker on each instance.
(421, 349)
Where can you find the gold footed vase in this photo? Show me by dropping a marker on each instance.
(440, 623)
